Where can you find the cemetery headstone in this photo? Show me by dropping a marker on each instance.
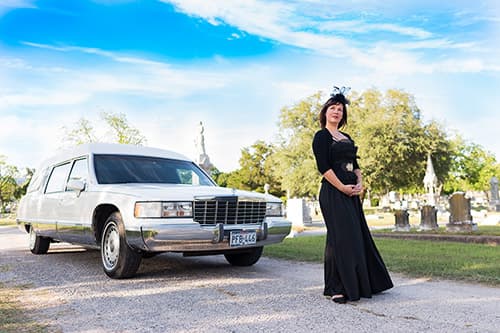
(494, 196)
(298, 212)
(402, 220)
(428, 218)
(460, 214)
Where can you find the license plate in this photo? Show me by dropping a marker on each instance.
(239, 238)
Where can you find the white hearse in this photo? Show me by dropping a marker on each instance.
(134, 202)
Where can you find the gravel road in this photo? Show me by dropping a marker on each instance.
(69, 291)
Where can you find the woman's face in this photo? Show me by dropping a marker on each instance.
(334, 113)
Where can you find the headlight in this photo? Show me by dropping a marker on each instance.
(274, 209)
(163, 209)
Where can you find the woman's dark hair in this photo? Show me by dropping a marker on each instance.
(335, 99)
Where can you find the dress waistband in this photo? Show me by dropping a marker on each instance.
(346, 165)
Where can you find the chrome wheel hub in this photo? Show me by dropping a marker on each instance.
(110, 246)
(32, 239)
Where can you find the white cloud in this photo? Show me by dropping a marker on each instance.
(8, 5)
(13, 63)
(95, 51)
(161, 100)
(234, 36)
(286, 22)
(27, 84)
(238, 101)
(249, 15)
(26, 142)
(42, 98)
(364, 27)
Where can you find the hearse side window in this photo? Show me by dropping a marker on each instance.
(35, 182)
(58, 177)
(79, 170)
(121, 169)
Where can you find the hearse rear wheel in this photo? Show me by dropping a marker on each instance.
(38, 244)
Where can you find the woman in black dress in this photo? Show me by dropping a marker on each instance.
(353, 265)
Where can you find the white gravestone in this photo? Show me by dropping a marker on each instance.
(298, 212)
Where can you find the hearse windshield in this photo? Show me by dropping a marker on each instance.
(121, 169)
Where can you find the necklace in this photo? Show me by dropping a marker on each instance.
(337, 135)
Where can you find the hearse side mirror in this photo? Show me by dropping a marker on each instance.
(76, 185)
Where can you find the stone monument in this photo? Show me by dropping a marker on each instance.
(494, 197)
(203, 159)
(266, 188)
(402, 220)
(460, 214)
(430, 182)
(298, 212)
(428, 218)
(428, 213)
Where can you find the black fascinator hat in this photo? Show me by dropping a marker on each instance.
(337, 96)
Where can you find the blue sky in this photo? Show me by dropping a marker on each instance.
(234, 64)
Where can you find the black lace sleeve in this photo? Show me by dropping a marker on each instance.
(321, 148)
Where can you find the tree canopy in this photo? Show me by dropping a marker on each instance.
(10, 190)
(471, 167)
(295, 163)
(393, 142)
(119, 131)
(257, 168)
(7, 182)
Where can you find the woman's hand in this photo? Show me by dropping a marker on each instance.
(352, 190)
(358, 188)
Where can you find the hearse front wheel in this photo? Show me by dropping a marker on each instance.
(118, 259)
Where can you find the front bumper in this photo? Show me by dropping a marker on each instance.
(193, 237)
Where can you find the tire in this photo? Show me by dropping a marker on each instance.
(38, 244)
(118, 259)
(247, 258)
(147, 255)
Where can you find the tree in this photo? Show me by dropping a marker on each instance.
(471, 168)
(393, 141)
(226, 179)
(8, 184)
(23, 188)
(294, 161)
(82, 133)
(119, 131)
(256, 170)
(123, 132)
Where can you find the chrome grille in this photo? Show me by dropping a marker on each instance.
(229, 210)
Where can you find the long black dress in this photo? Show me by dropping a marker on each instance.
(353, 265)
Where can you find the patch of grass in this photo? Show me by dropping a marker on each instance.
(484, 230)
(12, 317)
(458, 261)
(451, 260)
(307, 248)
(493, 230)
(7, 221)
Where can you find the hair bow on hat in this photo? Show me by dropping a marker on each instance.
(342, 90)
